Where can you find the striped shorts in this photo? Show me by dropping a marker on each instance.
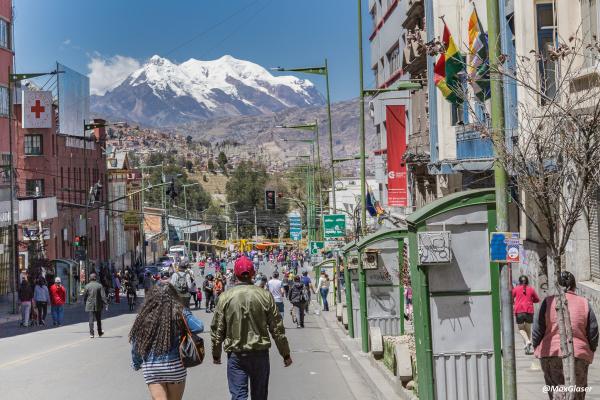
(164, 372)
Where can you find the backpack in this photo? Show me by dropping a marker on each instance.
(181, 284)
(304, 295)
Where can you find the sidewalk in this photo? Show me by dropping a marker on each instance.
(530, 378)
(382, 382)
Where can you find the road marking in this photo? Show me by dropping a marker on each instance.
(41, 353)
(31, 357)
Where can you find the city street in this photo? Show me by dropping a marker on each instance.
(64, 363)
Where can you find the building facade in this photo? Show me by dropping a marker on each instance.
(8, 271)
(65, 168)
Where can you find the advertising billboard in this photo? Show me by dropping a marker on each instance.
(73, 101)
(396, 147)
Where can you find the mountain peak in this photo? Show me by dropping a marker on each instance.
(165, 93)
(158, 60)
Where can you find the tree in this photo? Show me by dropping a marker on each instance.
(211, 165)
(188, 140)
(246, 187)
(554, 159)
(222, 161)
(189, 165)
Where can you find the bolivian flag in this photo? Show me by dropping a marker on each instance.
(447, 69)
(478, 66)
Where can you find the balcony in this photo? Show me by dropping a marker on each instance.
(471, 146)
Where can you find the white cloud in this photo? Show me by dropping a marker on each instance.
(66, 42)
(108, 73)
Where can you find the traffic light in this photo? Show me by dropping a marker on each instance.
(83, 240)
(77, 241)
(270, 199)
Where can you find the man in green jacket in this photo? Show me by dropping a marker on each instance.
(245, 316)
(95, 299)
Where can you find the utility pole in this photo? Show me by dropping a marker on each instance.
(87, 206)
(164, 206)
(501, 178)
(363, 163)
(255, 226)
(330, 140)
(142, 219)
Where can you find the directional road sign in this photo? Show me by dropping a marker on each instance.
(334, 226)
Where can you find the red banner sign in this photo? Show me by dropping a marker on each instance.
(395, 118)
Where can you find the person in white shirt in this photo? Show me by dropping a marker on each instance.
(324, 289)
(275, 286)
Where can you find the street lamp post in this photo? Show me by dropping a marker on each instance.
(315, 128)
(237, 223)
(142, 228)
(187, 215)
(310, 206)
(324, 70)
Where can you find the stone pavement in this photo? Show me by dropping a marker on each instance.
(530, 378)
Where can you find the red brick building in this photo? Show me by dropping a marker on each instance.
(64, 167)
(7, 272)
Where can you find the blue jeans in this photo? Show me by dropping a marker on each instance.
(253, 366)
(324, 293)
(58, 312)
(280, 307)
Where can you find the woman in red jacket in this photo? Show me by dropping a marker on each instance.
(524, 297)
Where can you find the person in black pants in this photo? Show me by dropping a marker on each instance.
(95, 299)
(208, 287)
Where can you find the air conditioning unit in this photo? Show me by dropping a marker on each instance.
(370, 259)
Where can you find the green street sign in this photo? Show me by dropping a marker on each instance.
(334, 226)
(316, 246)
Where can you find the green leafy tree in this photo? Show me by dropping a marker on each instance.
(246, 187)
(222, 161)
(211, 165)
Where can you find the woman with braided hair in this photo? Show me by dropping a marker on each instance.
(155, 338)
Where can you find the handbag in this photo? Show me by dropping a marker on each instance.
(191, 347)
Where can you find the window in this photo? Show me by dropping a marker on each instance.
(394, 59)
(33, 145)
(5, 36)
(3, 101)
(34, 187)
(546, 37)
(589, 28)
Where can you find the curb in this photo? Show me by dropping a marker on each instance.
(384, 384)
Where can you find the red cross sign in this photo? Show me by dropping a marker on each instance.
(38, 109)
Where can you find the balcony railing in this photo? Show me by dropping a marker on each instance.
(470, 145)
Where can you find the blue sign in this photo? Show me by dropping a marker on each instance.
(295, 222)
(504, 247)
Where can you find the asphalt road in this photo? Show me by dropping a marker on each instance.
(64, 363)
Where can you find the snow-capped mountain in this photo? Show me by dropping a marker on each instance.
(163, 93)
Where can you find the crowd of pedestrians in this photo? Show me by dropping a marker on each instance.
(35, 299)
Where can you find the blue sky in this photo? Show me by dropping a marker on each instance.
(109, 38)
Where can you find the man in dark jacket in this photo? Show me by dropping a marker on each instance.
(298, 297)
(95, 299)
